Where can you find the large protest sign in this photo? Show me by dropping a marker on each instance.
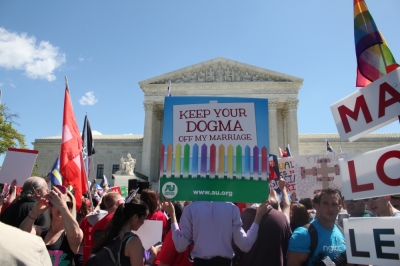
(372, 174)
(287, 171)
(18, 164)
(316, 172)
(368, 109)
(372, 240)
(215, 148)
(150, 233)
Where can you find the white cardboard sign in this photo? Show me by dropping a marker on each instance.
(371, 174)
(315, 172)
(18, 164)
(150, 233)
(373, 240)
(369, 108)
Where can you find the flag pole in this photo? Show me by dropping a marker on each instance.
(66, 82)
(86, 162)
(326, 146)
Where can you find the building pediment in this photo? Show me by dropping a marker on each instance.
(220, 70)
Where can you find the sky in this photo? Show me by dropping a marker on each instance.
(106, 47)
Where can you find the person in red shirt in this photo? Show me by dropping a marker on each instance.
(149, 197)
(168, 256)
(11, 197)
(242, 206)
(92, 219)
(111, 200)
(87, 226)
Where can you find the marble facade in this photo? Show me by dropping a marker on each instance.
(222, 77)
(110, 148)
(216, 77)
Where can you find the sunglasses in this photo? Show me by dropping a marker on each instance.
(374, 199)
(70, 205)
(353, 200)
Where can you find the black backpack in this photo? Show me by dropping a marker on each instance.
(110, 254)
(314, 239)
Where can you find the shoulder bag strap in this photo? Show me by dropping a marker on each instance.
(314, 240)
(124, 239)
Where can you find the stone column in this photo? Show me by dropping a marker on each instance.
(273, 127)
(147, 139)
(285, 112)
(294, 130)
(158, 116)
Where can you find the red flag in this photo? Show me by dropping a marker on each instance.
(71, 162)
(283, 153)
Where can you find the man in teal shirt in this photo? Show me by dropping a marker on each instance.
(331, 244)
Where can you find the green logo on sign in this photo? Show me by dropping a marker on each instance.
(169, 190)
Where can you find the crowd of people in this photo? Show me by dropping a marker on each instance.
(43, 227)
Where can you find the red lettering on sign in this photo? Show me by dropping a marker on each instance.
(355, 187)
(359, 105)
(213, 125)
(381, 171)
(383, 104)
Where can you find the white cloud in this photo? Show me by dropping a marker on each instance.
(81, 58)
(1, 84)
(88, 99)
(95, 132)
(19, 51)
(13, 85)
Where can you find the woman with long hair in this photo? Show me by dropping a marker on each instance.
(150, 197)
(128, 216)
(64, 236)
(298, 216)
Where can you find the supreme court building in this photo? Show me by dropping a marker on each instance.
(216, 77)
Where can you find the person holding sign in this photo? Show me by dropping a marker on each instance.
(9, 193)
(272, 241)
(381, 206)
(150, 197)
(356, 208)
(329, 245)
(395, 201)
(213, 226)
(127, 218)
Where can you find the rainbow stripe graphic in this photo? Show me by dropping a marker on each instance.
(229, 163)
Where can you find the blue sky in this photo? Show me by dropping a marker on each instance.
(106, 47)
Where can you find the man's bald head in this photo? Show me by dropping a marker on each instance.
(110, 201)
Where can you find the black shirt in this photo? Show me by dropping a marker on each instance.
(60, 252)
(17, 212)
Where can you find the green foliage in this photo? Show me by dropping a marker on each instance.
(9, 137)
(34, 170)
